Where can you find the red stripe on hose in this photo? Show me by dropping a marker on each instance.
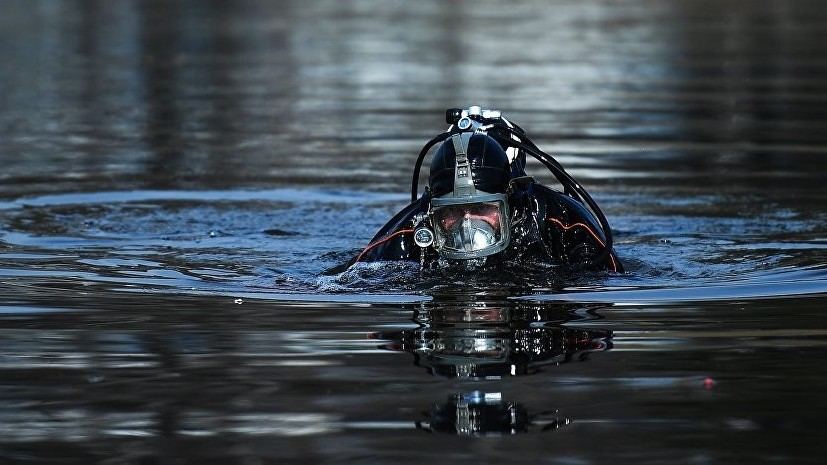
(382, 241)
(593, 234)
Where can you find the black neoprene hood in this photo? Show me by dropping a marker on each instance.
(489, 166)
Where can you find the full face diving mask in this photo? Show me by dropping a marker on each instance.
(467, 223)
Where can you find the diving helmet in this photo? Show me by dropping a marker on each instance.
(468, 213)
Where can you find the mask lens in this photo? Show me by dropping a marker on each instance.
(469, 228)
(488, 212)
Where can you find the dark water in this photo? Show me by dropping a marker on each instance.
(177, 175)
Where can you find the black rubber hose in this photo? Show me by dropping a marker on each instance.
(420, 159)
(568, 182)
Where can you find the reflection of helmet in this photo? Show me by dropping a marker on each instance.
(477, 414)
(489, 166)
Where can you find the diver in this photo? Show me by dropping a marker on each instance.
(480, 208)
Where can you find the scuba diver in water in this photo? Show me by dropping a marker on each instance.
(480, 208)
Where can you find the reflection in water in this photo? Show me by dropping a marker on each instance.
(490, 340)
(478, 413)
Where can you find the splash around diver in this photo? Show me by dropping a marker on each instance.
(481, 209)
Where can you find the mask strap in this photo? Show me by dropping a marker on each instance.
(463, 181)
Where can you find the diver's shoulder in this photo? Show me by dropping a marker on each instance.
(557, 201)
(403, 219)
(535, 188)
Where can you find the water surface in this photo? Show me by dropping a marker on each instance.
(178, 175)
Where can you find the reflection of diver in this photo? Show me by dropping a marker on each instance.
(484, 414)
(485, 340)
(481, 208)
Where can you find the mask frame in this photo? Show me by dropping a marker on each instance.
(470, 202)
